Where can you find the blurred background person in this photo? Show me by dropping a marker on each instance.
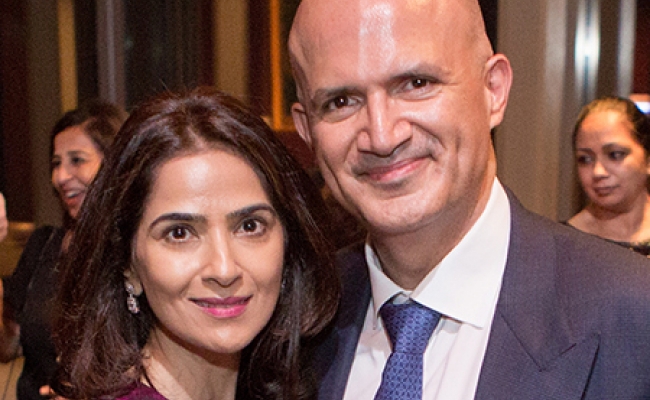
(611, 140)
(4, 225)
(198, 269)
(77, 145)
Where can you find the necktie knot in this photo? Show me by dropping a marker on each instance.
(409, 326)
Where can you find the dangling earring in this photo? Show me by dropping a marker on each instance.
(131, 300)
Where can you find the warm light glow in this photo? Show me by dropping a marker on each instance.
(67, 55)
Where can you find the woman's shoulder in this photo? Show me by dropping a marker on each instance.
(642, 247)
(42, 234)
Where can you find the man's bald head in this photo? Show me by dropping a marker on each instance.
(322, 24)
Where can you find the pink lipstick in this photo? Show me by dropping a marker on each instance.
(229, 307)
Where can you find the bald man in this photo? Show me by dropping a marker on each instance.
(397, 98)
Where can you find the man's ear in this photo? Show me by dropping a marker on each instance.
(301, 122)
(132, 277)
(498, 83)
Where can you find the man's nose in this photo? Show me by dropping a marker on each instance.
(385, 129)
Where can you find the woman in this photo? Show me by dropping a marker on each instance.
(77, 145)
(611, 141)
(198, 269)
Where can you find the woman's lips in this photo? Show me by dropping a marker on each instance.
(229, 307)
(604, 191)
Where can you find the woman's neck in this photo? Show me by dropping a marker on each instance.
(180, 373)
(628, 225)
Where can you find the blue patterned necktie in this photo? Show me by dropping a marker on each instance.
(409, 327)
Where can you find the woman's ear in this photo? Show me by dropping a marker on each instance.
(131, 276)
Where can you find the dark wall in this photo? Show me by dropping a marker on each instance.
(642, 48)
(490, 14)
(15, 158)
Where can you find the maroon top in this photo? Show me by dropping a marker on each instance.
(142, 392)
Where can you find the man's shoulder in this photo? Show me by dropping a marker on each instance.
(587, 269)
(353, 269)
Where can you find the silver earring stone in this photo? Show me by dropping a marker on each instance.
(131, 300)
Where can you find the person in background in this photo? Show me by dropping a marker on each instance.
(199, 269)
(611, 141)
(77, 145)
(4, 225)
(459, 292)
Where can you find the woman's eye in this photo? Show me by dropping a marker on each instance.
(178, 234)
(252, 227)
(617, 155)
(77, 160)
(582, 160)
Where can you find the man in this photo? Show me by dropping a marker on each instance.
(397, 98)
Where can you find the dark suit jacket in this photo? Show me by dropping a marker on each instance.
(572, 320)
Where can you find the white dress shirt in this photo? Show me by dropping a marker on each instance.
(464, 288)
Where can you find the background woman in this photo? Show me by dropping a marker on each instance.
(198, 267)
(611, 141)
(77, 145)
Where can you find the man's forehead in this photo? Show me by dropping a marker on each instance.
(323, 24)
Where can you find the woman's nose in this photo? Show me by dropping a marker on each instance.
(60, 175)
(220, 264)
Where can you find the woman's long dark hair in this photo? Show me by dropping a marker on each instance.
(99, 341)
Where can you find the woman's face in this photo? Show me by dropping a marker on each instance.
(612, 165)
(75, 163)
(209, 254)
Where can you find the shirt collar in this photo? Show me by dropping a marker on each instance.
(465, 284)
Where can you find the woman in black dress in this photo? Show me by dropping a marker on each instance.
(77, 145)
(611, 141)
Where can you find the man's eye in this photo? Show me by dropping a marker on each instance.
(339, 108)
(337, 103)
(417, 83)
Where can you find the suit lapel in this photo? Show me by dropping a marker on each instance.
(532, 351)
(337, 352)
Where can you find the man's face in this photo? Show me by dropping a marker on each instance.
(398, 103)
